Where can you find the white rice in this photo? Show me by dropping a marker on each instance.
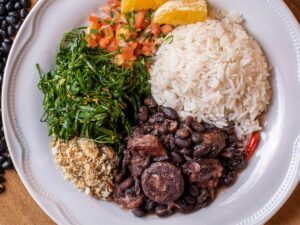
(213, 71)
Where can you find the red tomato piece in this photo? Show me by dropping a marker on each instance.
(139, 19)
(127, 53)
(92, 43)
(103, 42)
(165, 29)
(155, 29)
(94, 18)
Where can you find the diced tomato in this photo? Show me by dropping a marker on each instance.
(165, 29)
(95, 25)
(103, 42)
(119, 60)
(92, 43)
(132, 44)
(155, 29)
(139, 19)
(113, 46)
(127, 53)
(108, 32)
(94, 18)
(114, 3)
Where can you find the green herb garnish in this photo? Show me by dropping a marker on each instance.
(87, 95)
(169, 39)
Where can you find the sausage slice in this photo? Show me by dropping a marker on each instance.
(162, 182)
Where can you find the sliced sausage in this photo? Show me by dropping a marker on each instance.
(162, 182)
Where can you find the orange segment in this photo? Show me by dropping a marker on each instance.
(133, 5)
(181, 12)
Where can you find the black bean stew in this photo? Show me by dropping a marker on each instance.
(171, 165)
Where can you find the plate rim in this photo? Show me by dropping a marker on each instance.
(260, 216)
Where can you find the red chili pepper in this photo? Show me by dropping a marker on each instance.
(252, 145)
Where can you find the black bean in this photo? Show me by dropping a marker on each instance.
(126, 184)
(2, 159)
(6, 46)
(183, 143)
(201, 150)
(2, 188)
(158, 117)
(2, 66)
(11, 31)
(119, 178)
(189, 199)
(2, 179)
(202, 197)
(228, 179)
(182, 133)
(193, 190)
(150, 102)
(2, 10)
(188, 120)
(160, 159)
(138, 132)
(3, 1)
(181, 204)
(4, 25)
(170, 113)
(172, 125)
(15, 14)
(18, 5)
(2, 171)
(196, 138)
(138, 212)
(8, 40)
(197, 126)
(187, 158)
(23, 13)
(9, 6)
(3, 34)
(7, 164)
(186, 151)
(163, 129)
(176, 157)
(12, 20)
(150, 205)
(143, 114)
(25, 3)
(162, 211)
(18, 25)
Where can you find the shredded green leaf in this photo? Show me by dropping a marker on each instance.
(169, 39)
(87, 95)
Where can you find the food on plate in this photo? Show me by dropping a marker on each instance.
(133, 5)
(181, 12)
(87, 95)
(184, 172)
(156, 110)
(90, 166)
(213, 71)
(129, 36)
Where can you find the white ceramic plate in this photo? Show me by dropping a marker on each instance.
(261, 189)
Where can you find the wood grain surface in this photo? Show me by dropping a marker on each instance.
(18, 208)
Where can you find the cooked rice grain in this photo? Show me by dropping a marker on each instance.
(213, 71)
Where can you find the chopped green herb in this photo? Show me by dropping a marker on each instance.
(87, 95)
(94, 31)
(169, 39)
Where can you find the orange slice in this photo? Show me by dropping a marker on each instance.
(132, 5)
(181, 12)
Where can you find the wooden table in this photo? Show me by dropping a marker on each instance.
(18, 208)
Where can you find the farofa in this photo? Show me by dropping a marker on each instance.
(89, 166)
